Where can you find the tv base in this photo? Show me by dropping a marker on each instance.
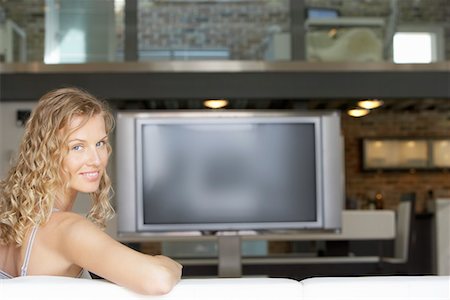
(230, 265)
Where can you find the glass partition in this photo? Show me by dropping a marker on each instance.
(79, 31)
(61, 31)
(82, 31)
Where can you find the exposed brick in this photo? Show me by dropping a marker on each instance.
(393, 184)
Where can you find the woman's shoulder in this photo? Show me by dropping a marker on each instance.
(65, 225)
(69, 231)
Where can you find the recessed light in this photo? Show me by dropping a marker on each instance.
(357, 112)
(370, 103)
(215, 103)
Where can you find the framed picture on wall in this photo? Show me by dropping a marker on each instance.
(405, 154)
(395, 154)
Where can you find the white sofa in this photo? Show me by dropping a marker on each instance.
(335, 288)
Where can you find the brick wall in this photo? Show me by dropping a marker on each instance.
(392, 184)
(241, 27)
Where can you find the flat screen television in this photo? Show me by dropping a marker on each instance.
(228, 171)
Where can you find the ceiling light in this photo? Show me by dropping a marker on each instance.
(357, 112)
(216, 103)
(370, 103)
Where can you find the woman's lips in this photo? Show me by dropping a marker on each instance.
(91, 176)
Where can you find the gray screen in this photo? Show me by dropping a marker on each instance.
(228, 173)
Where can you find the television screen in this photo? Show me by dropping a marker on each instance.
(228, 170)
(228, 173)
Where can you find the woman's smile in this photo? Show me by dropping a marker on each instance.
(91, 175)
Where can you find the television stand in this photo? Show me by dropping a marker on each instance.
(229, 250)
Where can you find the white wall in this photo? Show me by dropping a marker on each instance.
(10, 133)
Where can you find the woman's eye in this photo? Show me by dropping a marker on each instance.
(100, 144)
(77, 148)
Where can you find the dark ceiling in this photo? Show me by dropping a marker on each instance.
(397, 105)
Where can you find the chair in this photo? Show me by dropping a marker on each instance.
(404, 241)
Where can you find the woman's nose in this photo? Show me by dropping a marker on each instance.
(94, 157)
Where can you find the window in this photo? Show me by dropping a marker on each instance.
(418, 45)
(414, 47)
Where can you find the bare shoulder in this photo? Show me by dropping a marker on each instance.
(69, 228)
(65, 220)
(76, 237)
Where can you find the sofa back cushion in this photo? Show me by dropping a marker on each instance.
(377, 288)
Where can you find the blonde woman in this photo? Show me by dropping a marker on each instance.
(65, 151)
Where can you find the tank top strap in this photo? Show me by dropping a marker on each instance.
(4, 275)
(26, 261)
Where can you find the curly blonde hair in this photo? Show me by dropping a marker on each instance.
(29, 191)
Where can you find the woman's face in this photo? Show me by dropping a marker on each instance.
(87, 158)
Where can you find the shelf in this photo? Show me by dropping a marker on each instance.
(356, 225)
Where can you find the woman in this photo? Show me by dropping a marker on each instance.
(65, 151)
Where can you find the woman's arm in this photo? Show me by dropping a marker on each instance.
(88, 247)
